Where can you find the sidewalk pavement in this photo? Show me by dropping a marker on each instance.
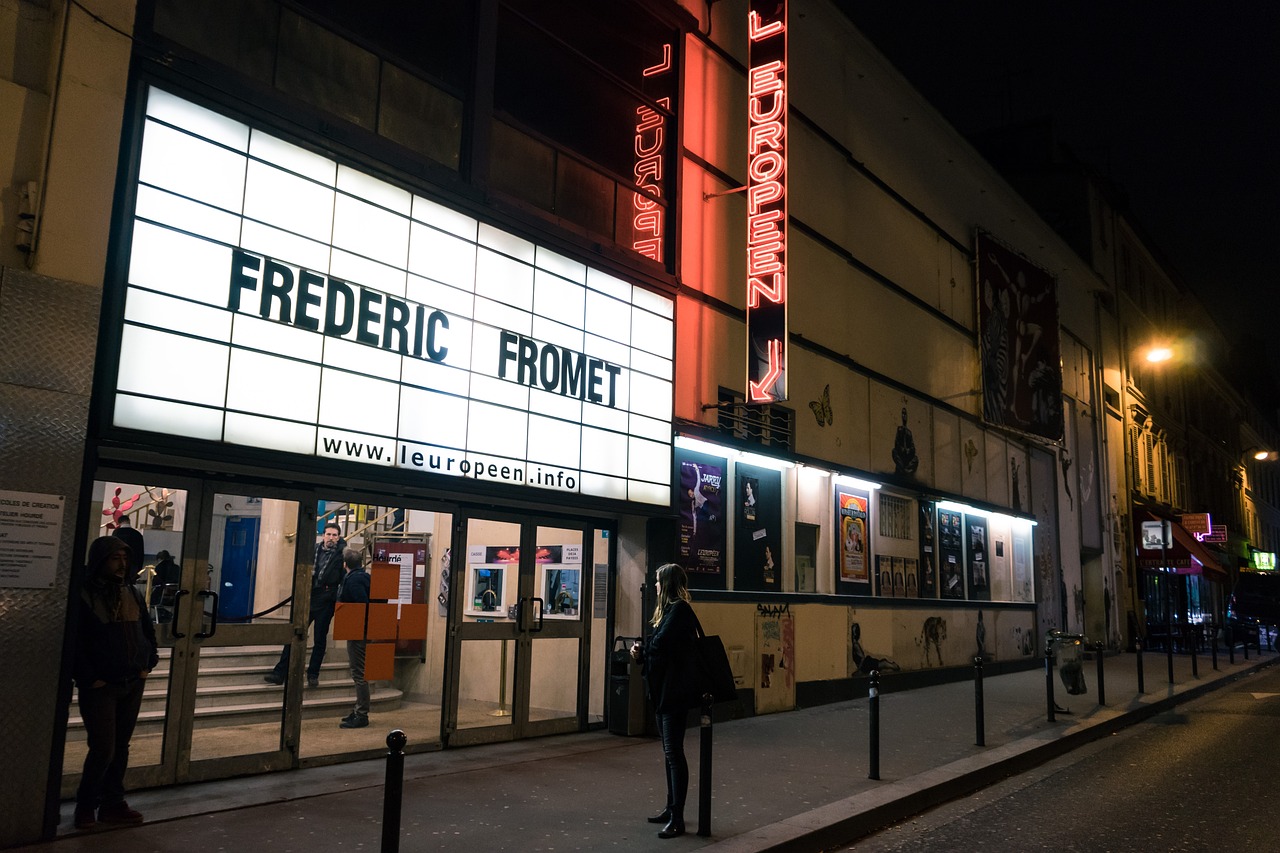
(787, 781)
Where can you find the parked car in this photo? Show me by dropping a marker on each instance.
(1254, 605)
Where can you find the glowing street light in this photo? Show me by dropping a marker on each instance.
(1265, 455)
(1159, 354)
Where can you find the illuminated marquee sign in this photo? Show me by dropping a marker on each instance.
(767, 201)
(280, 300)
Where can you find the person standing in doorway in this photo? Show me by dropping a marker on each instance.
(667, 667)
(326, 576)
(355, 589)
(132, 537)
(115, 651)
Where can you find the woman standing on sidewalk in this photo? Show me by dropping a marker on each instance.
(667, 665)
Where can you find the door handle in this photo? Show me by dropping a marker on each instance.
(213, 623)
(173, 620)
(539, 603)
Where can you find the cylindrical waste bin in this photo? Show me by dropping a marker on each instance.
(627, 703)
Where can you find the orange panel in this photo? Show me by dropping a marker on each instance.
(413, 622)
(348, 621)
(384, 582)
(379, 661)
(382, 622)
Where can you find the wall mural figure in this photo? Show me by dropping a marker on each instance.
(933, 633)
(980, 637)
(865, 663)
(821, 408)
(905, 460)
(970, 453)
(1015, 491)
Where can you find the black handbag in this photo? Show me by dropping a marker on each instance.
(712, 668)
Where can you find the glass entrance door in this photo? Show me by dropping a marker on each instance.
(519, 655)
(213, 564)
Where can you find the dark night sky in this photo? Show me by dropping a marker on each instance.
(1177, 102)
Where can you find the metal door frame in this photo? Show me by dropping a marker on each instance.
(523, 630)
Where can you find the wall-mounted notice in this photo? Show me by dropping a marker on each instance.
(30, 532)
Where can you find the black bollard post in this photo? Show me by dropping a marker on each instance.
(978, 716)
(1231, 645)
(1245, 644)
(1102, 685)
(1193, 643)
(1048, 679)
(704, 769)
(1137, 647)
(393, 792)
(1168, 645)
(873, 693)
(1213, 645)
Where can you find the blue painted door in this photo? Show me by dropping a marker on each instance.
(239, 567)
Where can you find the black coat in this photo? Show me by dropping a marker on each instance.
(109, 647)
(327, 575)
(669, 662)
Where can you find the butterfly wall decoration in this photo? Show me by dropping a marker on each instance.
(822, 407)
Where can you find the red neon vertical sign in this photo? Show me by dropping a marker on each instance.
(647, 224)
(767, 201)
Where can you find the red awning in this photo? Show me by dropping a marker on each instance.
(1186, 557)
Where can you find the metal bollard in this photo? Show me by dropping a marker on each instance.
(1048, 680)
(1137, 647)
(1102, 685)
(393, 792)
(704, 769)
(978, 716)
(1168, 645)
(873, 693)
(1193, 643)
(1245, 645)
(1231, 645)
(1213, 645)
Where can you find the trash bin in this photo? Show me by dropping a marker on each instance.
(1070, 650)
(627, 702)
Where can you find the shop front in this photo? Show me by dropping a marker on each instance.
(289, 343)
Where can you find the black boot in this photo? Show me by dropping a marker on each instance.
(663, 817)
(674, 828)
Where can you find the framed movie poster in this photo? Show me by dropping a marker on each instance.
(758, 529)
(951, 553)
(701, 545)
(911, 571)
(928, 551)
(853, 541)
(884, 576)
(978, 560)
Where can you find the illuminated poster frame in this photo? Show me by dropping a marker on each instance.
(278, 299)
(767, 201)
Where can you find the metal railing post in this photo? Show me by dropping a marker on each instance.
(978, 716)
(704, 769)
(1102, 684)
(1048, 679)
(1137, 647)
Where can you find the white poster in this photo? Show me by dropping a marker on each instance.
(30, 534)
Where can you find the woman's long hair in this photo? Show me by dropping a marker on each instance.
(673, 585)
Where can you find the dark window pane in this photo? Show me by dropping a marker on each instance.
(420, 116)
(522, 166)
(327, 71)
(240, 34)
(584, 196)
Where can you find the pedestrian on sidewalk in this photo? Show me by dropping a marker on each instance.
(673, 688)
(355, 590)
(326, 576)
(115, 651)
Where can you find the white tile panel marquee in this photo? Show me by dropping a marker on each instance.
(280, 300)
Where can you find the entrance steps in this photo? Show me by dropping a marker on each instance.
(230, 690)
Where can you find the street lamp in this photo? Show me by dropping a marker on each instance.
(1159, 354)
(1261, 455)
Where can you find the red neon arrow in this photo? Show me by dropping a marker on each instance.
(759, 392)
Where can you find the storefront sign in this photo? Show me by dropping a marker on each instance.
(647, 219)
(767, 202)
(1219, 534)
(1198, 524)
(277, 299)
(30, 534)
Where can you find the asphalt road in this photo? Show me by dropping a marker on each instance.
(1200, 778)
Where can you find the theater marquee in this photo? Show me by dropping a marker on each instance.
(277, 299)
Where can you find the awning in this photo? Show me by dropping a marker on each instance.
(1186, 557)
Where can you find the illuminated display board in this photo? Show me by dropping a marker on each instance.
(767, 202)
(647, 222)
(278, 299)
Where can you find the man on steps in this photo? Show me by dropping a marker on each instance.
(325, 579)
(355, 589)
